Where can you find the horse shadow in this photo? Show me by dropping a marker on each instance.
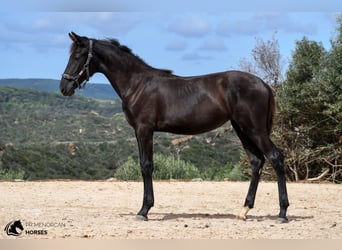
(259, 218)
(228, 216)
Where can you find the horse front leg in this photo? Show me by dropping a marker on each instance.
(145, 143)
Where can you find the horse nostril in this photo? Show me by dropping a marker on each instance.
(64, 91)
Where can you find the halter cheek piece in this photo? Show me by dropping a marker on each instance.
(85, 68)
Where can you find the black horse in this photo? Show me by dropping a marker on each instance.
(157, 100)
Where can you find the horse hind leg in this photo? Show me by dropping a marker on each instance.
(257, 160)
(277, 160)
(274, 155)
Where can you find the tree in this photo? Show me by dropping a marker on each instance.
(309, 111)
(267, 61)
(300, 96)
(306, 62)
(331, 80)
(247, 66)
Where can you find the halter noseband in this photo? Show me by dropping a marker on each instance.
(85, 68)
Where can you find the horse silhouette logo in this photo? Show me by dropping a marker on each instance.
(14, 228)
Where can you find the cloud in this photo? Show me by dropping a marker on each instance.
(190, 26)
(43, 31)
(213, 44)
(261, 22)
(167, 6)
(178, 45)
(115, 23)
(78, 5)
(193, 56)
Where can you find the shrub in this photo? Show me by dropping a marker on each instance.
(11, 175)
(232, 172)
(130, 170)
(165, 167)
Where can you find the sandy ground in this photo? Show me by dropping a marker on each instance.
(196, 210)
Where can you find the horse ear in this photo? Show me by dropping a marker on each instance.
(77, 39)
(73, 36)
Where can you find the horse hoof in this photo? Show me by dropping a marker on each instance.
(141, 217)
(241, 217)
(283, 220)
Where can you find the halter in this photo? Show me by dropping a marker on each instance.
(85, 68)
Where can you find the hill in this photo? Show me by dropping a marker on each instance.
(46, 135)
(93, 90)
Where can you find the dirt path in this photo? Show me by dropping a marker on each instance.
(197, 210)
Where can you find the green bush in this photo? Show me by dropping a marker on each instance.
(165, 167)
(49, 161)
(170, 167)
(236, 174)
(232, 172)
(130, 170)
(10, 175)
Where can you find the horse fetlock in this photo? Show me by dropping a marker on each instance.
(241, 217)
(283, 219)
(243, 214)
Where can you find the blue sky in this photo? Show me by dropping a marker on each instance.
(199, 38)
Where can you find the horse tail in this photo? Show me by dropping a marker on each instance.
(271, 109)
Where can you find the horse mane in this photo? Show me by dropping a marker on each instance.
(127, 50)
(116, 43)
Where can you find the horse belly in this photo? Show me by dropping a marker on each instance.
(193, 123)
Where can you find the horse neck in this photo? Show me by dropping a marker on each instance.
(120, 72)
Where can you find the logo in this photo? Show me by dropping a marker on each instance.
(14, 228)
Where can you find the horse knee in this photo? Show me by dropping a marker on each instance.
(277, 160)
(256, 165)
(146, 168)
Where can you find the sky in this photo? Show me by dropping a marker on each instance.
(188, 37)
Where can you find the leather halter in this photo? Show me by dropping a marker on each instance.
(85, 68)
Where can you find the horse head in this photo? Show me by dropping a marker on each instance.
(77, 71)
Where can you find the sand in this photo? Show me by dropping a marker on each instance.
(183, 209)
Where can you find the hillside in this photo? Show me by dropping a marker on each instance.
(46, 135)
(93, 90)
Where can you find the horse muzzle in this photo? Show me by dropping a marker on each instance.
(67, 87)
